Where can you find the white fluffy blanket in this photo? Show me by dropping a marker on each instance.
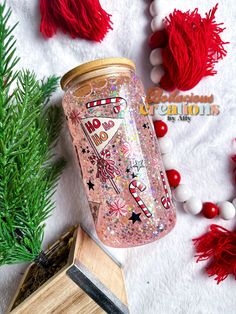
(161, 277)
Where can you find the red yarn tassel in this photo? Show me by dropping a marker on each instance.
(80, 18)
(194, 47)
(219, 246)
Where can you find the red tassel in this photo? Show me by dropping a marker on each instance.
(194, 47)
(80, 18)
(219, 246)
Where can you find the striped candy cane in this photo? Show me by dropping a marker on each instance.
(105, 153)
(133, 186)
(107, 101)
(166, 202)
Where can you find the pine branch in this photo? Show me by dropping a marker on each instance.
(8, 60)
(28, 170)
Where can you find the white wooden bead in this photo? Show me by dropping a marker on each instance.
(182, 193)
(165, 144)
(234, 202)
(227, 210)
(156, 23)
(168, 161)
(156, 74)
(154, 9)
(155, 57)
(193, 205)
(157, 116)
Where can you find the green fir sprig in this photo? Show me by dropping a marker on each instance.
(28, 170)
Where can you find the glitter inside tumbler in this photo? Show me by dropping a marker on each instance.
(118, 153)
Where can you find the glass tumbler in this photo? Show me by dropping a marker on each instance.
(118, 153)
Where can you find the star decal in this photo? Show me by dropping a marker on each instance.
(133, 175)
(146, 126)
(90, 185)
(127, 170)
(138, 164)
(83, 151)
(135, 217)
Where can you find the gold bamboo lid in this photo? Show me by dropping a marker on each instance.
(93, 66)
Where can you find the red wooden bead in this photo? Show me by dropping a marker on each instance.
(210, 210)
(174, 177)
(158, 39)
(160, 127)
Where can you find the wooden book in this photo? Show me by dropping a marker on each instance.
(88, 282)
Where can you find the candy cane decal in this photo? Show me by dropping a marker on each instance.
(133, 186)
(166, 202)
(105, 154)
(107, 101)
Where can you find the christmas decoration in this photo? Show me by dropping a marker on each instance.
(84, 18)
(160, 128)
(173, 177)
(181, 192)
(191, 45)
(28, 171)
(218, 245)
(210, 210)
(133, 186)
(166, 200)
(128, 181)
(118, 208)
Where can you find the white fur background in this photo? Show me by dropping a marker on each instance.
(161, 277)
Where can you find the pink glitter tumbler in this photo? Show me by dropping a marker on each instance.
(118, 153)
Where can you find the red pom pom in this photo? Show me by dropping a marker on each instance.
(194, 47)
(83, 18)
(219, 246)
(158, 39)
(210, 210)
(174, 177)
(160, 127)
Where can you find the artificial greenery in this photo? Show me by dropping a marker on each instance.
(28, 169)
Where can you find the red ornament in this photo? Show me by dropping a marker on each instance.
(210, 210)
(174, 177)
(160, 127)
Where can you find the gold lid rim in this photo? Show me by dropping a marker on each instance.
(92, 66)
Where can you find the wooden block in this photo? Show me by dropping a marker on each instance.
(90, 282)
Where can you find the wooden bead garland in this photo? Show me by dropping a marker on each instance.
(181, 193)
